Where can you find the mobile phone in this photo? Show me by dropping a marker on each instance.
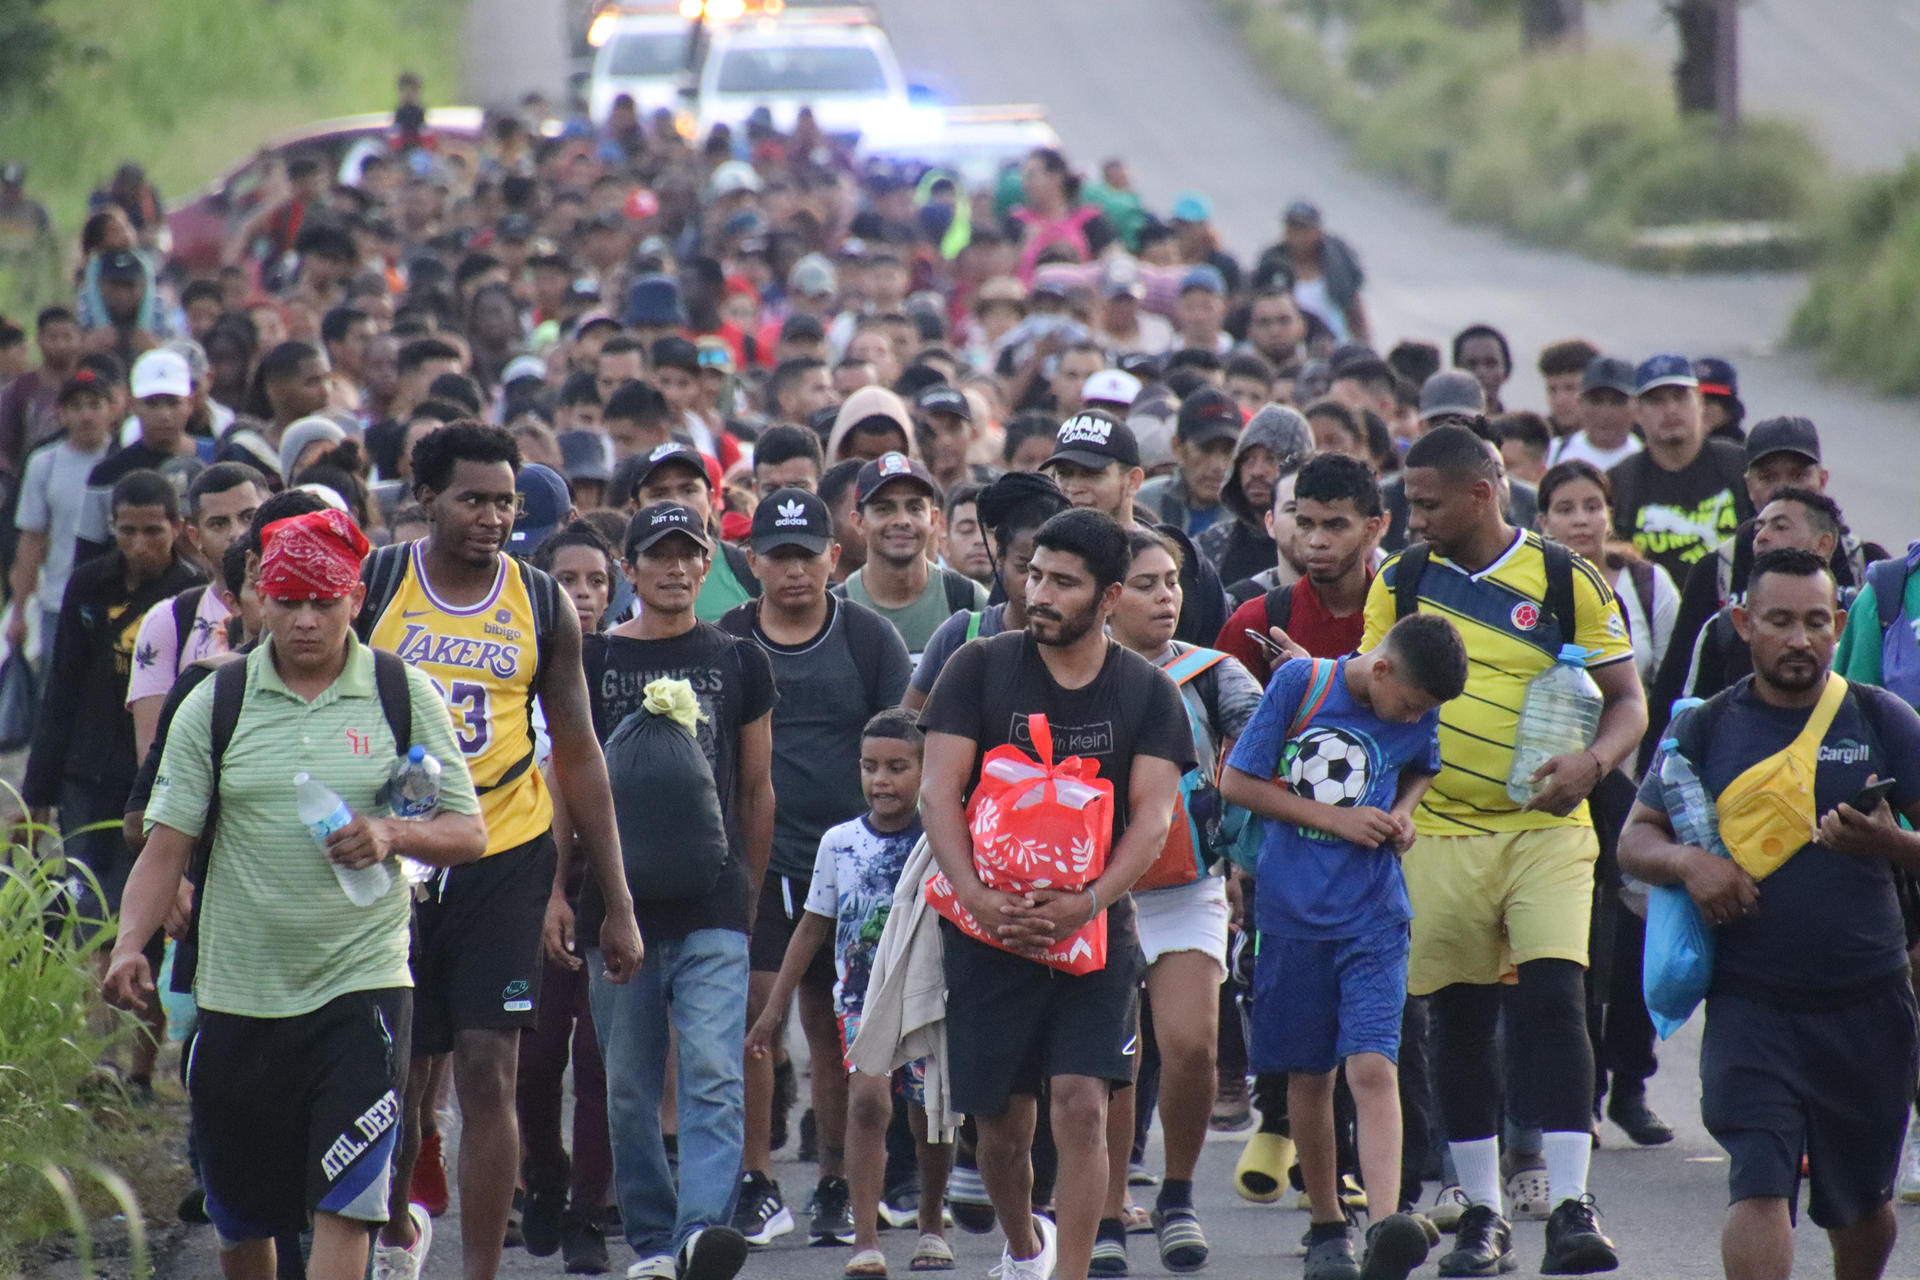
(1870, 797)
(1266, 643)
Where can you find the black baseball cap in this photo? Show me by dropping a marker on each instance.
(885, 470)
(672, 453)
(791, 518)
(1208, 414)
(1792, 434)
(1095, 440)
(661, 520)
(941, 398)
(121, 264)
(1610, 373)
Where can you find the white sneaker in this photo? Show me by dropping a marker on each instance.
(399, 1262)
(1907, 1189)
(1040, 1265)
(659, 1267)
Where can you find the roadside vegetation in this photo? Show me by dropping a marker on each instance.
(1862, 311)
(188, 87)
(74, 1149)
(1575, 144)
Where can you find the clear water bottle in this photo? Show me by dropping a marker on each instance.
(324, 813)
(1689, 808)
(413, 785)
(1560, 716)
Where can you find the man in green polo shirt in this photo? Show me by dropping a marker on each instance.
(305, 1000)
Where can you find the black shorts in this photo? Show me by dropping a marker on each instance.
(297, 1115)
(1014, 1023)
(783, 899)
(476, 946)
(1833, 1084)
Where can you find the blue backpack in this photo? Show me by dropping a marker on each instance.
(1242, 832)
(1899, 645)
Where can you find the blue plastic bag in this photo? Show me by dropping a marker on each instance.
(1678, 959)
(19, 703)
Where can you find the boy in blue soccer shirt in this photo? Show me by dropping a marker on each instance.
(1335, 759)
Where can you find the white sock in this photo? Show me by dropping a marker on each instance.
(1478, 1164)
(1567, 1156)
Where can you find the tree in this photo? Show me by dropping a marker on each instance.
(31, 47)
(1706, 79)
(1544, 23)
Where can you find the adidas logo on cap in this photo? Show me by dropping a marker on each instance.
(792, 512)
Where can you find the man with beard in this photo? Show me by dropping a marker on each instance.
(1276, 441)
(1809, 1046)
(1014, 1024)
(1096, 463)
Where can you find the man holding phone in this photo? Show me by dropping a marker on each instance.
(1810, 1046)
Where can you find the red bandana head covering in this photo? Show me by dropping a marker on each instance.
(311, 557)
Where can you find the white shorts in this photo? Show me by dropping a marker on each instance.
(1186, 917)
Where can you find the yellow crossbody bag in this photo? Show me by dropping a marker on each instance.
(1768, 813)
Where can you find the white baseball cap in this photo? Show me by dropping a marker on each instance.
(1111, 386)
(161, 373)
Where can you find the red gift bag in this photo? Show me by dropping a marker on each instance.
(1037, 825)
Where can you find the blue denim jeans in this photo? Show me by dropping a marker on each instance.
(700, 982)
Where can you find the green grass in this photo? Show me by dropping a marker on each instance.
(189, 87)
(1580, 148)
(1862, 310)
(71, 1147)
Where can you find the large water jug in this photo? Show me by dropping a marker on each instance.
(1560, 716)
(324, 813)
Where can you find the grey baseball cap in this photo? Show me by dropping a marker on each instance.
(1452, 392)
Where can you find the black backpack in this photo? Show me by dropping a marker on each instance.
(229, 695)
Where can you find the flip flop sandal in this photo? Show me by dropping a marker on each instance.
(1183, 1246)
(933, 1253)
(868, 1264)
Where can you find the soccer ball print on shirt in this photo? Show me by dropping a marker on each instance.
(1329, 764)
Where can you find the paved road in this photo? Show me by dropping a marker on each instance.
(1843, 67)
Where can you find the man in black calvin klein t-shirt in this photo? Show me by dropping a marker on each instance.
(1013, 1022)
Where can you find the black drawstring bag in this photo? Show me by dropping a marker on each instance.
(666, 806)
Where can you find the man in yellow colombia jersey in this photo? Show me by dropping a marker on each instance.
(494, 634)
(1500, 888)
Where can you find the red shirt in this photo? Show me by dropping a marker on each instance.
(1322, 634)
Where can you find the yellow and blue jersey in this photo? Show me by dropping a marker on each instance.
(1511, 636)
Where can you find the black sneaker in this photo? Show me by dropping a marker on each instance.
(1483, 1245)
(1395, 1246)
(832, 1213)
(1638, 1120)
(583, 1247)
(540, 1221)
(712, 1253)
(761, 1216)
(1575, 1246)
(900, 1206)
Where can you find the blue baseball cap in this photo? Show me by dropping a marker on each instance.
(655, 301)
(1205, 276)
(544, 503)
(1191, 206)
(1667, 370)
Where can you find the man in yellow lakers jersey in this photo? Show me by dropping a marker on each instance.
(493, 634)
(1502, 889)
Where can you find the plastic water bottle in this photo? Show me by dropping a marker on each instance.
(1689, 808)
(1560, 716)
(413, 785)
(324, 813)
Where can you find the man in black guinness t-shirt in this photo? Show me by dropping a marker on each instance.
(1014, 1023)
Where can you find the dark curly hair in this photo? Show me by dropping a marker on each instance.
(436, 453)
